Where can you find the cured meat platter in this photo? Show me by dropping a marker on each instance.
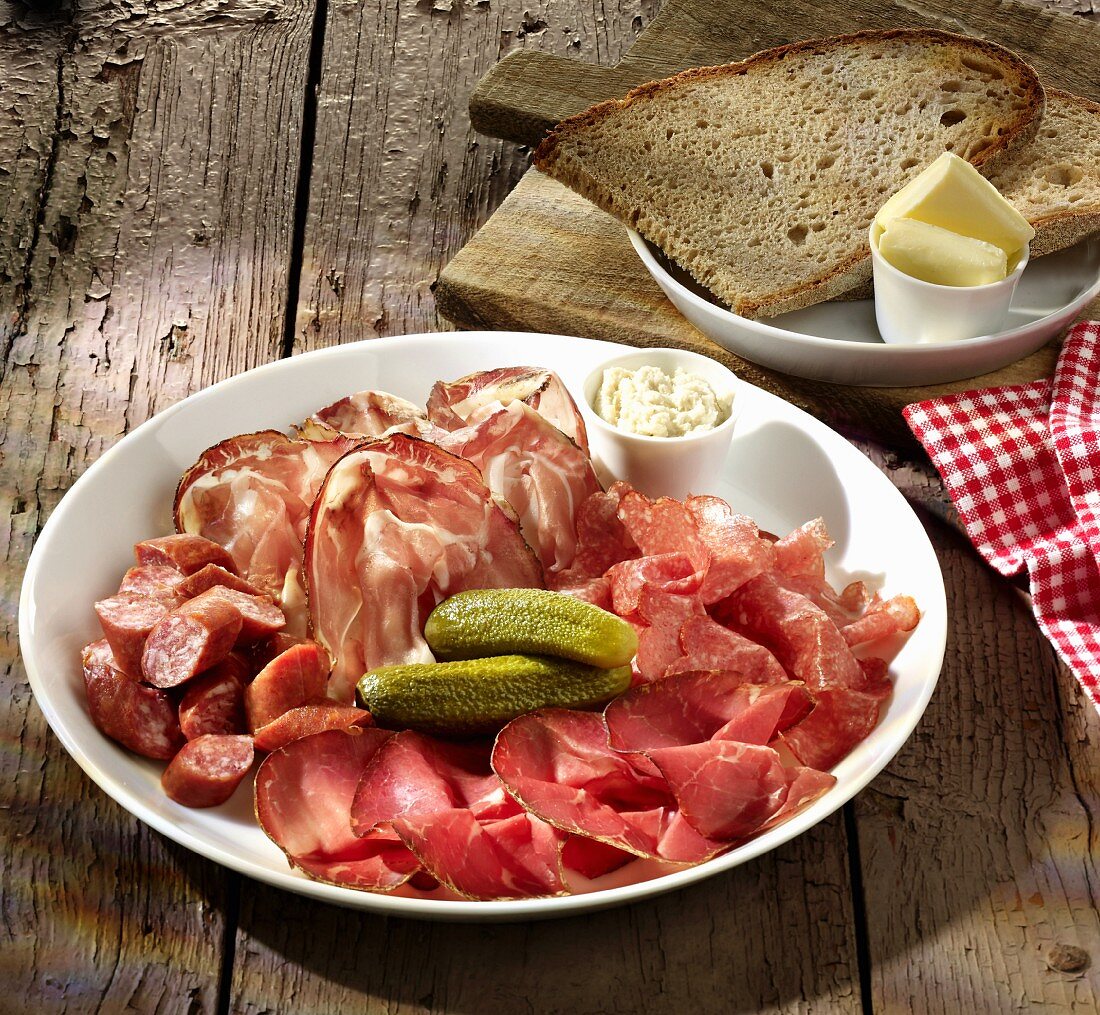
(878, 541)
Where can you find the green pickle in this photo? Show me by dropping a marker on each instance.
(476, 696)
(491, 622)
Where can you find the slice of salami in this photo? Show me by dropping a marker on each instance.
(738, 552)
(449, 807)
(214, 576)
(558, 765)
(138, 717)
(305, 720)
(692, 708)
(710, 646)
(295, 677)
(450, 405)
(190, 640)
(801, 635)
(303, 803)
(155, 581)
(602, 539)
(213, 703)
(185, 552)
(126, 619)
(841, 718)
(667, 572)
(664, 613)
(725, 790)
(801, 552)
(207, 770)
(663, 526)
(882, 619)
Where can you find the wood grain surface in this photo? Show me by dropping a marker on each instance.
(187, 190)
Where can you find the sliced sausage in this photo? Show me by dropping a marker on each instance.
(127, 619)
(138, 717)
(214, 702)
(185, 552)
(190, 640)
(261, 618)
(297, 676)
(264, 651)
(307, 719)
(207, 770)
(153, 580)
(214, 576)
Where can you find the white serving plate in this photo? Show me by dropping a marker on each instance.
(839, 341)
(783, 468)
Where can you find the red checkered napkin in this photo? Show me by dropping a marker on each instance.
(1022, 465)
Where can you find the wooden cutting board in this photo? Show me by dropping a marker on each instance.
(550, 261)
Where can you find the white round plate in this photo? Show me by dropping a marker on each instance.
(839, 341)
(784, 467)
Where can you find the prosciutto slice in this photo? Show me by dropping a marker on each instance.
(451, 405)
(363, 414)
(252, 495)
(542, 475)
(399, 525)
(451, 810)
(304, 793)
(558, 765)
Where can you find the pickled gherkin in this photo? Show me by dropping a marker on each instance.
(477, 696)
(490, 622)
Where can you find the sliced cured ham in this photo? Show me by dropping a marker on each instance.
(207, 770)
(252, 495)
(303, 803)
(399, 525)
(448, 806)
(362, 414)
(725, 790)
(450, 405)
(558, 765)
(529, 463)
(592, 858)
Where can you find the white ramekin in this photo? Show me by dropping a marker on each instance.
(909, 310)
(663, 466)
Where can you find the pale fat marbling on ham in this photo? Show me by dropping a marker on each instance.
(399, 525)
(252, 495)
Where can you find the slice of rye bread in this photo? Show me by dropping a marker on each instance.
(761, 177)
(1055, 180)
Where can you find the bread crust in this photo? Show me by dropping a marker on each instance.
(855, 267)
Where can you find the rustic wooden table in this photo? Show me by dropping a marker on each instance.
(189, 189)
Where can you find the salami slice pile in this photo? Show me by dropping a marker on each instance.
(751, 678)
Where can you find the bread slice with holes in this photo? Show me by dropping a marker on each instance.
(761, 178)
(1055, 180)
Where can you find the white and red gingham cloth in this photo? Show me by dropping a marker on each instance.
(1022, 465)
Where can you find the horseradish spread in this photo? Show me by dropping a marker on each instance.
(650, 402)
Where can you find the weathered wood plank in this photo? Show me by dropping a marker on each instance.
(979, 842)
(771, 936)
(147, 225)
